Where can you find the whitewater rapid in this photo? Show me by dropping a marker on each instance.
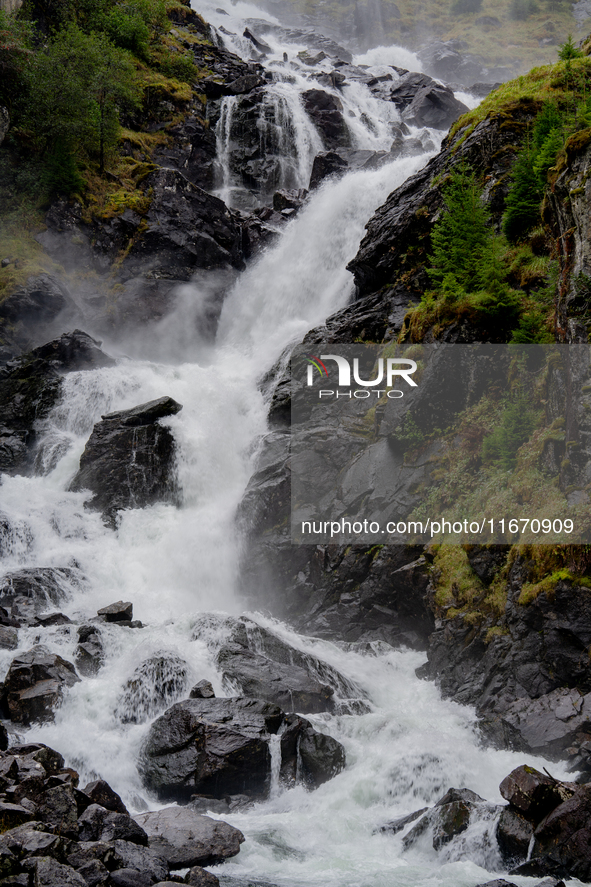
(175, 563)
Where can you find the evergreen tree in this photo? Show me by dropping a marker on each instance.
(460, 235)
(517, 423)
(522, 207)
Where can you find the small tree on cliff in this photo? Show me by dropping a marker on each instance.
(460, 235)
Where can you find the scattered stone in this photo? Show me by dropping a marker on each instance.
(198, 877)
(100, 792)
(533, 793)
(185, 838)
(89, 652)
(202, 690)
(35, 684)
(121, 611)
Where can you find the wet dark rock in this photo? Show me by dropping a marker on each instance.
(514, 833)
(29, 388)
(12, 815)
(255, 662)
(220, 747)
(27, 593)
(89, 652)
(8, 638)
(140, 859)
(186, 229)
(128, 460)
(449, 61)
(202, 690)
(185, 838)
(211, 746)
(154, 685)
(423, 102)
(326, 165)
(325, 110)
(121, 611)
(498, 882)
(198, 877)
(289, 199)
(31, 310)
(397, 825)
(532, 793)
(99, 824)
(50, 873)
(563, 838)
(57, 807)
(449, 817)
(100, 792)
(131, 878)
(35, 683)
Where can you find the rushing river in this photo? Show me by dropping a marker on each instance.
(175, 563)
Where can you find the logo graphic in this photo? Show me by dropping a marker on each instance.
(315, 362)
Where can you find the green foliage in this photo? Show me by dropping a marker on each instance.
(460, 235)
(75, 88)
(546, 156)
(531, 330)
(569, 51)
(522, 207)
(179, 66)
(15, 43)
(517, 423)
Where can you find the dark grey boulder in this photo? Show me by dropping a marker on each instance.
(434, 106)
(131, 878)
(448, 818)
(35, 684)
(202, 690)
(127, 855)
(29, 388)
(198, 877)
(326, 112)
(155, 684)
(13, 815)
(550, 724)
(562, 841)
(256, 662)
(27, 593)
(34, 305)
(120, 611)
(100, 824)
(185, 838)
(50, 873)
(219, 747)
(100, 792)
(325, 166)
(128, 461)
(514, 833)
(89, 652)
(210, 746)
(534, 794)
(57, 807)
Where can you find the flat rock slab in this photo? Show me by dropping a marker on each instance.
(185, 838)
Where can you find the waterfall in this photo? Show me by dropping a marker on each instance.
(175, 563)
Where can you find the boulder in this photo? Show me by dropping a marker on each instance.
(289, 199)
(198, 877)
(99, 824)
(31, 308)
(100, 792)
(57, 807)
(562, 841)
(89, 652)
(128, 460)
(202, 690)
(424, 102)
(256, 662)
(120, 611)
(35, 684)
(185, 838)
(325, 111)
(326, 165)
(155, 684)
(220, 747)
(126, 855)
(29, 388)
(27, 593)
(186, 229)
(532, 793)
(514, 834)
(550, 724)
(449, 817)
(50, 873)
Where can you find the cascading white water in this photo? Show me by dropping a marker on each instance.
(175, 563)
